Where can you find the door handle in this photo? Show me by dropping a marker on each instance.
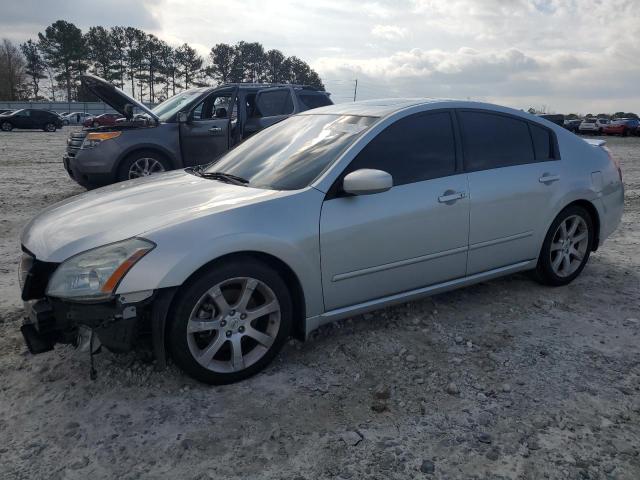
(549, 178)
(451, 197)
(215, 129)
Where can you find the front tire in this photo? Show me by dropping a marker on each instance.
(230, 322)
(566, 247)
(6, 126)
(142, 164)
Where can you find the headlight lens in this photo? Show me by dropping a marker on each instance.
(94, 139)
(95, 274)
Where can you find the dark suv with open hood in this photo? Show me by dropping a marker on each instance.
(192, 128)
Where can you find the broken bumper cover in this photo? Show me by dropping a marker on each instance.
(51, 321)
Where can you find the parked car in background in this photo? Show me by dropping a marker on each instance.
(572, 125)
(593, 125)
(75, 118)
(30, 118)
(104, 120)
(556, 118)
(325, 215)
(194, 127)
(622, 127)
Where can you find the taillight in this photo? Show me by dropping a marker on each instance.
(615, 162)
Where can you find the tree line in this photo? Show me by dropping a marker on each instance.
(49, 67)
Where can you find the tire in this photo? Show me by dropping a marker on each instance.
(95, 124)
(142, 164)
(49, 127)
(217, 364)
(548, 271)
(6, 126)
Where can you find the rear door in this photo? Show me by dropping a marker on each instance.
(206, 134)
(514, 180)
(271, 106)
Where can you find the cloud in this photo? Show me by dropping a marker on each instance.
(388, 32)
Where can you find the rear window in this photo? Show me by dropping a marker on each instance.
(590, 121)
(314, 100)
(276, 102)
(493, 141)
(542, 143)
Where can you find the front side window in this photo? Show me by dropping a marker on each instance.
(214, 106)
(293, 153)
(275, 102)
(415, 148)
(492, 141)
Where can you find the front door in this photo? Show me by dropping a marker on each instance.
(411, 236)
(206, 134)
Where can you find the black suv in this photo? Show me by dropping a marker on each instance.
(30, 118)
(192, 128)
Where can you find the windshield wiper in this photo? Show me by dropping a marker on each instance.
(225, 177)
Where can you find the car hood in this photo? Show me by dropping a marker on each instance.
(129, 209)
(113, 96)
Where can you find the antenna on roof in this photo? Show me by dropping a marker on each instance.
(355, 89)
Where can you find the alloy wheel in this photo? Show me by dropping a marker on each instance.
(569, 245)
(50, 127)
(6, 127)
(144, 167)
(233, 325)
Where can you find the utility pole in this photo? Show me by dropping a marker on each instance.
(355, 90)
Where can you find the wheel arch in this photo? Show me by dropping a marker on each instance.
(146, 148)
(288, 275)
(595, 217)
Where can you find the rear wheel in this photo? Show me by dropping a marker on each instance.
(142, 164)
(6, 126)
(230, 322)
(566, 247)
(49, 127)
(95, 124)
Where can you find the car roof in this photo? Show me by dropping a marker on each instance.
(387, 106)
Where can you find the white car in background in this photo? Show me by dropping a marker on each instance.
(75, 118)
(593, 125)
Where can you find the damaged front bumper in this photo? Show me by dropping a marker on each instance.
(115, 323)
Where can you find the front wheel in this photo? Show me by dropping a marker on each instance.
(6, 127)
(230, 322)
(566, 247)
(142, 164)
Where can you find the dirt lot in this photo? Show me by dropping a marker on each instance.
(505, 379)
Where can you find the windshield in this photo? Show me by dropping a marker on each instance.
(291, 154)
(173, 105)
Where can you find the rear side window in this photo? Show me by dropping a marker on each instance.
(314, 100)
(276, 102)
(542, 143)
(493, 141)
(415, 148)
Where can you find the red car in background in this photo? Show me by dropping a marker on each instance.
(104, 120)
(622, 127)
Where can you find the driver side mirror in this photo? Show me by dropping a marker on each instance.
(183, 117)
(367, 181)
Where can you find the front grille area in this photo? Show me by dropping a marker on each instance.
(36, 278)
(74, 142)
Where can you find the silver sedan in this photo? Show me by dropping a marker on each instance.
(326, 215)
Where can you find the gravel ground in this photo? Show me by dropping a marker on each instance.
(506, 379)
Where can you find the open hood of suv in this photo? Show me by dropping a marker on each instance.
(113, 96)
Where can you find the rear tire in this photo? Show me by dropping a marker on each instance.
(217, 337)
(95, 124)
(49, 127)
(566, 247)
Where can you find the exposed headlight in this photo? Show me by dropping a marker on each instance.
(95, 274)
(93, 139)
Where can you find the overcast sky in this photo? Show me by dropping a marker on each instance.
(567, 55)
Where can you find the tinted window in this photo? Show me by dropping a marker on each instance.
(314, 100)
(493, 141)
(276, 102)
(542, 145)
(414, 148)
